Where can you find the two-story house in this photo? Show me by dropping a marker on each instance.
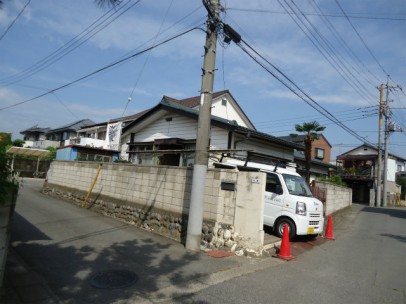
(67, 131)
(320, 156)
(359, 170)
(166, 134)
(35, 137)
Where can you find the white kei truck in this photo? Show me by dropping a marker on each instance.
(288, 200)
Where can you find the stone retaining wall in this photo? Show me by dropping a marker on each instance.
(157, 198)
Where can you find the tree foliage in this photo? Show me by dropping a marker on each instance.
(8, 181)
(51, 155)
(401, 180)
(18, 142)
(336, 179)
(312, 131)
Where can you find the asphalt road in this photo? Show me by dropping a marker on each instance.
(68, 246)
(365, 264)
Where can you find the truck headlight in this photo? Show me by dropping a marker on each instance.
(300, 208)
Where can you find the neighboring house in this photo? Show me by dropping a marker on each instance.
(166, 134)
(105, 135)
(67, 131)
(359, 171)
(83, 153)
(321, 148)
(320, 154)
(35, 137)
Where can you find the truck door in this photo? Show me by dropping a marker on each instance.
(274, 198)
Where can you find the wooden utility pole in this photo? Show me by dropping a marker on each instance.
(195, 221)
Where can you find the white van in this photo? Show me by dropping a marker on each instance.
(288, 200)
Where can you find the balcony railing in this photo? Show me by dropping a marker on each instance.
(359, 172)
(86, 141)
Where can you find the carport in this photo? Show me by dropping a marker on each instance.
(29, 152)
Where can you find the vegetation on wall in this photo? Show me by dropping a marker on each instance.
(8, 180)
(401, 180)
(336, 179)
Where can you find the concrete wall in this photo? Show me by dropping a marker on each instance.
(166, 190)
(337, 197)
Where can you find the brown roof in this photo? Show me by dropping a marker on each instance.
(194, 101)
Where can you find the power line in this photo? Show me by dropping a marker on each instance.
(362, 40)
(99, 70)
(326, 50)
(149, 54)
(322, 120)
(101, 23)
(343, 112)
(14, 21)
(324, 124)
(353, 16)
(346, 47)
(292, 86)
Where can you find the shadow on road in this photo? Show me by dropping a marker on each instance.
(68, 266)
(400, 238)
(399, 213)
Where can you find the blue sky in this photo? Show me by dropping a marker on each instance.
(364, 47)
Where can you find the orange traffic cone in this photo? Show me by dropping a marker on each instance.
(329, 229)
(284, 251)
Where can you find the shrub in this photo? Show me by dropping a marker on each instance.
(336, 179)
(8, 179)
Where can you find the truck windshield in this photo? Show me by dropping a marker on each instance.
(296, 185)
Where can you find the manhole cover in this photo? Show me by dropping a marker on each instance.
(113, 279)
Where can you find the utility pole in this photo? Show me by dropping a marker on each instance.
(386, 140)
(379, 167)
(195, 221)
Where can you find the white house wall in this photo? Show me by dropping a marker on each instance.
(226, 111)
(363, 151)
(179, 127)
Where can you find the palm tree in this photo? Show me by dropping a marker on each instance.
(312, 130)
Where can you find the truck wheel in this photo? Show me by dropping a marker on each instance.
(281, 224)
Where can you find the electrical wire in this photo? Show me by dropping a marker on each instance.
(325, 50)
(352, 16)
(148, 55)
(362, 39)
(294, 88)
(101, 23)
(367, 109)
(99, 70)
(14, 21)
(346, 47)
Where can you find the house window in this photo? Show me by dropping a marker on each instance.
(102, 135)
(319, 153)
(399, 168)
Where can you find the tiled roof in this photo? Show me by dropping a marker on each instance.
(73, 126)
(35, 129)
(194, 101)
